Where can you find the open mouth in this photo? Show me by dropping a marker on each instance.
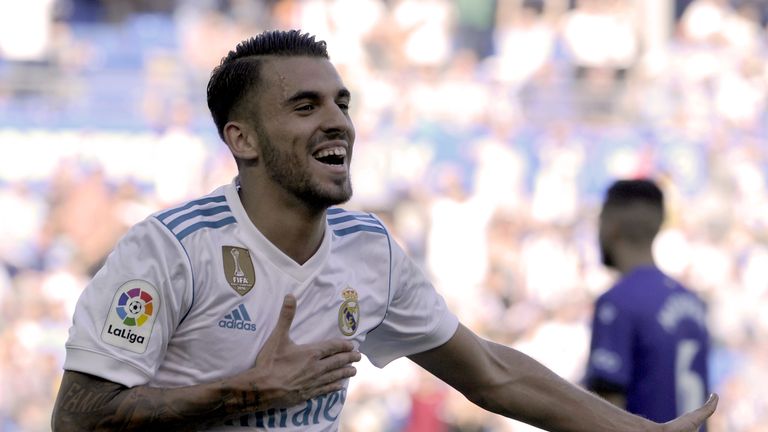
(331, 156)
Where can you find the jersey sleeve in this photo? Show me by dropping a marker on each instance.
(610, 358)
(417, 318)
(128, 312)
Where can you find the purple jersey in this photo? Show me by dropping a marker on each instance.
(650, 342)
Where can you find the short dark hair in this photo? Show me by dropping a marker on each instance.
(637, 206)
(238, 73)
(624, 192)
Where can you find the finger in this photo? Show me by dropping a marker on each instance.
(706, 410)
(287, 312)
(699, 415)
(709, 408)
(332, 347)
(337, 375)
(337, 383)
(337, 361)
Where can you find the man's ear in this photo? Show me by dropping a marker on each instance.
(241, 140)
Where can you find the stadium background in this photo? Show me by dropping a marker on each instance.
(487, 131)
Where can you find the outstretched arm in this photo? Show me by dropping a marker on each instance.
(612, 393)
(508, 382)
(284, 375)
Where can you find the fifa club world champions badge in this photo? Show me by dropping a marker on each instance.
(349, 312)
(238, 268)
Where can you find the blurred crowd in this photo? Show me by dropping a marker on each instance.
(487, 131)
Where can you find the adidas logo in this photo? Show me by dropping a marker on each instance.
(238, 319)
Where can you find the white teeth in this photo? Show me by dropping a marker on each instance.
(334, 151)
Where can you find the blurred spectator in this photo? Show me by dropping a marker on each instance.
(704, 20)
(524, 42)
(425, 26)
(473, 30)
(25, 30)
(601, 35)
(603, 42)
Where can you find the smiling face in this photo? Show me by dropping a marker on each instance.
(304, 133)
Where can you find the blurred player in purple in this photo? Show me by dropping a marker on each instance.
(649, 335)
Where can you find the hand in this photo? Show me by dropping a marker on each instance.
(289, 374)
(693, 420)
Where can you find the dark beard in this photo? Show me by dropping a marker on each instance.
(316, 199)
(285, 170)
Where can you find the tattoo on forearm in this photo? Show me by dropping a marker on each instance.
(233, 401)
(98, 404)
(78, 399)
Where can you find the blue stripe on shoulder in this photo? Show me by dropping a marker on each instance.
(218, 198)
(201, 212)
(335, 210)
(357, 228)
(205, 224)
(349, 217)
(191, 274)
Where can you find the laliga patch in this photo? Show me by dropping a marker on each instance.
(132, 315)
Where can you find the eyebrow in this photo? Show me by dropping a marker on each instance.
(314, 95)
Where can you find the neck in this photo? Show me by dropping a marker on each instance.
(293, 227)
(630, 258)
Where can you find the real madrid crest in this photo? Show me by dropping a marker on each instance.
(349, 312)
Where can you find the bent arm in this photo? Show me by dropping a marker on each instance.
(284, 375)
(508, 382)
(86, 402)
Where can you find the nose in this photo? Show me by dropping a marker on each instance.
(336, 119)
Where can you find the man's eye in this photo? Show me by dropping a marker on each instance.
(305, 108)
(343, 106)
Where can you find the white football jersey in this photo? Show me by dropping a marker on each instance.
(190, 295)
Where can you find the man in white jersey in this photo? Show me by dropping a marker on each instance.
(246, 308)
